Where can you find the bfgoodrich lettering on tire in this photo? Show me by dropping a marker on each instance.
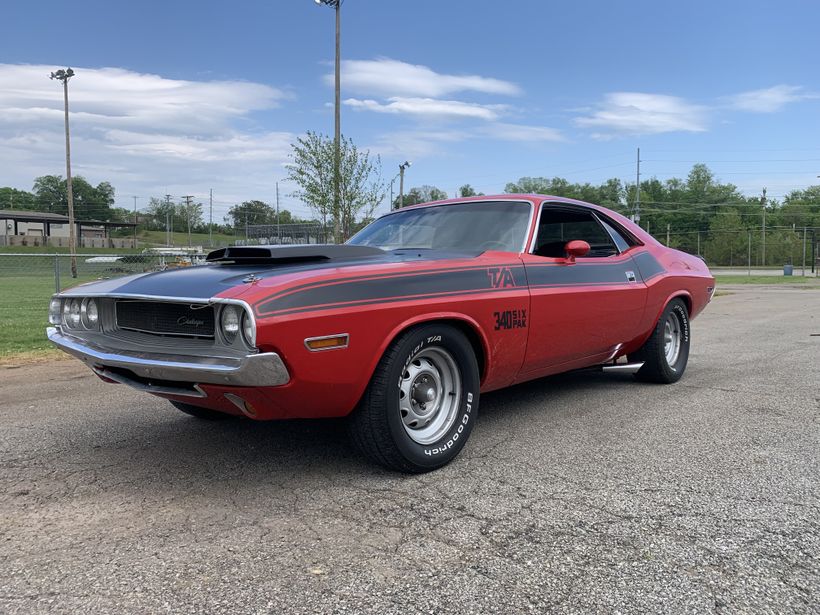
(666, 352)
(422, 401)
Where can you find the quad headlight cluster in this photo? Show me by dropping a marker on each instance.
(234, 319)
(75, 313)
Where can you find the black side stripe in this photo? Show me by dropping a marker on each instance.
(406, 287)
(414, 286)
(380, 276)
(648, 265)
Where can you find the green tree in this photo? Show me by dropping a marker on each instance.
(159, 212)
(420, 194)
(361, 186)
(11, 198)
(467, 190)
(90, 202)
(251, 213)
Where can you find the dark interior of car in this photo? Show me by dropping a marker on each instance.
(561, 225)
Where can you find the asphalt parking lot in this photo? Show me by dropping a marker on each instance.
(576, 494)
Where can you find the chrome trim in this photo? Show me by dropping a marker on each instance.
(149, 388)
(623, 368)
(327, 337)
(71, 294)
(84, 315)
(263, 369)
(614, 352)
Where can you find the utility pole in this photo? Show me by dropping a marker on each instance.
(135, 221)
(804, 251)
(763, 201)
(278, 227)
(64, 76)
(337, 143)
(211, 220)
(168, 220)
(188, 198)
(402, 168)
(637, 216)
(668, 226)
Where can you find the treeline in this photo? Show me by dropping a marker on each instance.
(698, 214)
(50, 194)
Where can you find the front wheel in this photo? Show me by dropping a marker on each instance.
(666, 352)
(421, 403)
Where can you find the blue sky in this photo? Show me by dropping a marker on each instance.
(180, 97)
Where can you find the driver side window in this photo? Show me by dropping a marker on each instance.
(559, 226)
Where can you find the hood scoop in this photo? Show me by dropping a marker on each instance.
(281, 255)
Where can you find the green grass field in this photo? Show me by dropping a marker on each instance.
(767, 279)
(24, 315)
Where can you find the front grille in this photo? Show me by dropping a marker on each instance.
(174, 319)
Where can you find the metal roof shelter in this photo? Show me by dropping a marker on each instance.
(47, 219)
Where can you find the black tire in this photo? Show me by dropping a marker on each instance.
(658, 365)
(205, 414)
(428, 361)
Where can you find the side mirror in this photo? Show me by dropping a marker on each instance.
(576, 248)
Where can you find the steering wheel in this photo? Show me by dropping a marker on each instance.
(497, 245)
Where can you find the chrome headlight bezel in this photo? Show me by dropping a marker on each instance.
(72, 313)
(249, 329)
(55, 311)
(230, 322)
(90, 313)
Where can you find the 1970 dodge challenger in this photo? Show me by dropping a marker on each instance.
(401, 328)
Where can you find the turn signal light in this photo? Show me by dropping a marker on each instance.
(327, 342)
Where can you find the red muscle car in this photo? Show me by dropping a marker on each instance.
(401, 328)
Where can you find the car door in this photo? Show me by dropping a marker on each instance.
(582, 309)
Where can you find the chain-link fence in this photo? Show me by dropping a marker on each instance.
(54, 270)
(285, 234)
(797, 248)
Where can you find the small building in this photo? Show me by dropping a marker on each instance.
(21, 227)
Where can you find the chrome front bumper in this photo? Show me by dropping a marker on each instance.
(254, 370)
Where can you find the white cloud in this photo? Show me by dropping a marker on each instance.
(389, 78)
(637, 113)
(520, 132)
(145, 133)
(768, 100)
(427, 107)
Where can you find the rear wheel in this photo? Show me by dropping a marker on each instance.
(666, 352)
(202, 413)
(421, 403)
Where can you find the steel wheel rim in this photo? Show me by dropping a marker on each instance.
(672, 331)
(429, 395)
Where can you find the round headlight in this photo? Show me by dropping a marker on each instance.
(91, 314)
(55, 311)
(230, 322)
(248, 329)
(71, 312)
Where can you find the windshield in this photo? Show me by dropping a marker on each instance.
(497, 225)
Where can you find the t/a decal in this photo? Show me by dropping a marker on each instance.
(500, 277)
(510, 319)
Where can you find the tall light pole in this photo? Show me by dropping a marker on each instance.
(402, 167)
(64, 76)
(337, 137)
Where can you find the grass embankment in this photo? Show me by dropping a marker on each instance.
(767, 279)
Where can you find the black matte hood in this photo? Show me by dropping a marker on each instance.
(235, 264)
